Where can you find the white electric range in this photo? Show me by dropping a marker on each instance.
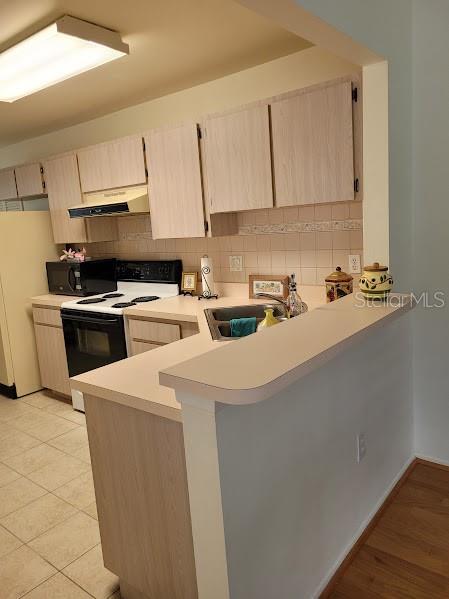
(94, 331)
(127, 294)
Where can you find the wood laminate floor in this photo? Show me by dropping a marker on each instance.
(406, 556)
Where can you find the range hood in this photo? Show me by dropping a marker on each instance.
(115, 202)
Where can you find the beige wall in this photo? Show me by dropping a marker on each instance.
(290, 72)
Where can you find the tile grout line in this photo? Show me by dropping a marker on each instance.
(50, 492)
(40, 467)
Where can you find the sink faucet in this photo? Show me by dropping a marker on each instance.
(302, 306)
(275, 299)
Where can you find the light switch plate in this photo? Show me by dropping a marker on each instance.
(354, 264)
(236, 263)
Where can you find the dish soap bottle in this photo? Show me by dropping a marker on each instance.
(268, 321)
(295, 304)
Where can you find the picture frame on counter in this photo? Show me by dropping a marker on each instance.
(276, 285)
(189, 283)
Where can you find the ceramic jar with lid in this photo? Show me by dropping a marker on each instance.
(376, 281)
(338, 284)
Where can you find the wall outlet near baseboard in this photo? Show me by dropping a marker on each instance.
(361, 447)
(236, 263)
(354, 264)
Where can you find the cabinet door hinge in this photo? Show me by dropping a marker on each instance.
(42, 170)
(355, 94)
(200, 134)
(356, 185)
(44, 185)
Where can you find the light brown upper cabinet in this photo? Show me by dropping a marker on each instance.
(64, 191)
(313, 154)
(174, 182)
(118, 163)
(238, 160)
(8, 189)
(29, 180)
(63, 187)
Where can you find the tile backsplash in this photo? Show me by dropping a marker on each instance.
(307, 240)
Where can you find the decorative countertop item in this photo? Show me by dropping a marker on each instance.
(295, 304)
(268, 321)
(74, 255)
(338, 284)
(276, 285)
(207, 279)
(189, 282)
(376, 281)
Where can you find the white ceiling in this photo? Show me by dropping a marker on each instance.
(174, 44)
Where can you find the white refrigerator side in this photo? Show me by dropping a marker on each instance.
(6, 370)
(26, 243)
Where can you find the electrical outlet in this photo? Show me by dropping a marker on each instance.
(354, 264)
(361, 447)
(236, 263)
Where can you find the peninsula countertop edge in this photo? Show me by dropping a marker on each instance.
(262, 365)
(235, 372)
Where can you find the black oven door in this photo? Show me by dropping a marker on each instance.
(92, 340)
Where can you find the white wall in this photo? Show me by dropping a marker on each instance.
(301, 69)
(294, 498)
(412, 35)
(431, 224)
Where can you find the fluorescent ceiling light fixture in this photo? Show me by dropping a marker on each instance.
(62, 50)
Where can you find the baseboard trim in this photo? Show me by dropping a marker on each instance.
(10, 391)
(350, 555)
(432, 462)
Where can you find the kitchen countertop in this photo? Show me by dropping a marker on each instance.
(237, 372)
(135, 381)
(50, 300)
(261, 365)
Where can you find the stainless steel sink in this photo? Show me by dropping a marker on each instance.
(218, 318)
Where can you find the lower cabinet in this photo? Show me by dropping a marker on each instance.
(51, 350)
(145, 335)
(140, 478)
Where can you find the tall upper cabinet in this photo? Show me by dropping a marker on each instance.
(238, 160)
(174, 181)
(118, 163)
(8, 189)
(313, 152)
(63, 187)
(29, 180)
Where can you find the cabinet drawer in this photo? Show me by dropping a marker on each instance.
(140, 347)
(159, 332)
(47, 316)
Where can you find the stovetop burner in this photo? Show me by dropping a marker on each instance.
(91, 300)
(123, 305)
(146, 298)
(112, 295)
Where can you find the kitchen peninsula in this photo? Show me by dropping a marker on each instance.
(201, 451)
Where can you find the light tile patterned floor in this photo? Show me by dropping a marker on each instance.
(49, 538)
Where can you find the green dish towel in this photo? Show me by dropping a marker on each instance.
(241, 327)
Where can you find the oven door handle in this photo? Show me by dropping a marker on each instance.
(91, 320)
